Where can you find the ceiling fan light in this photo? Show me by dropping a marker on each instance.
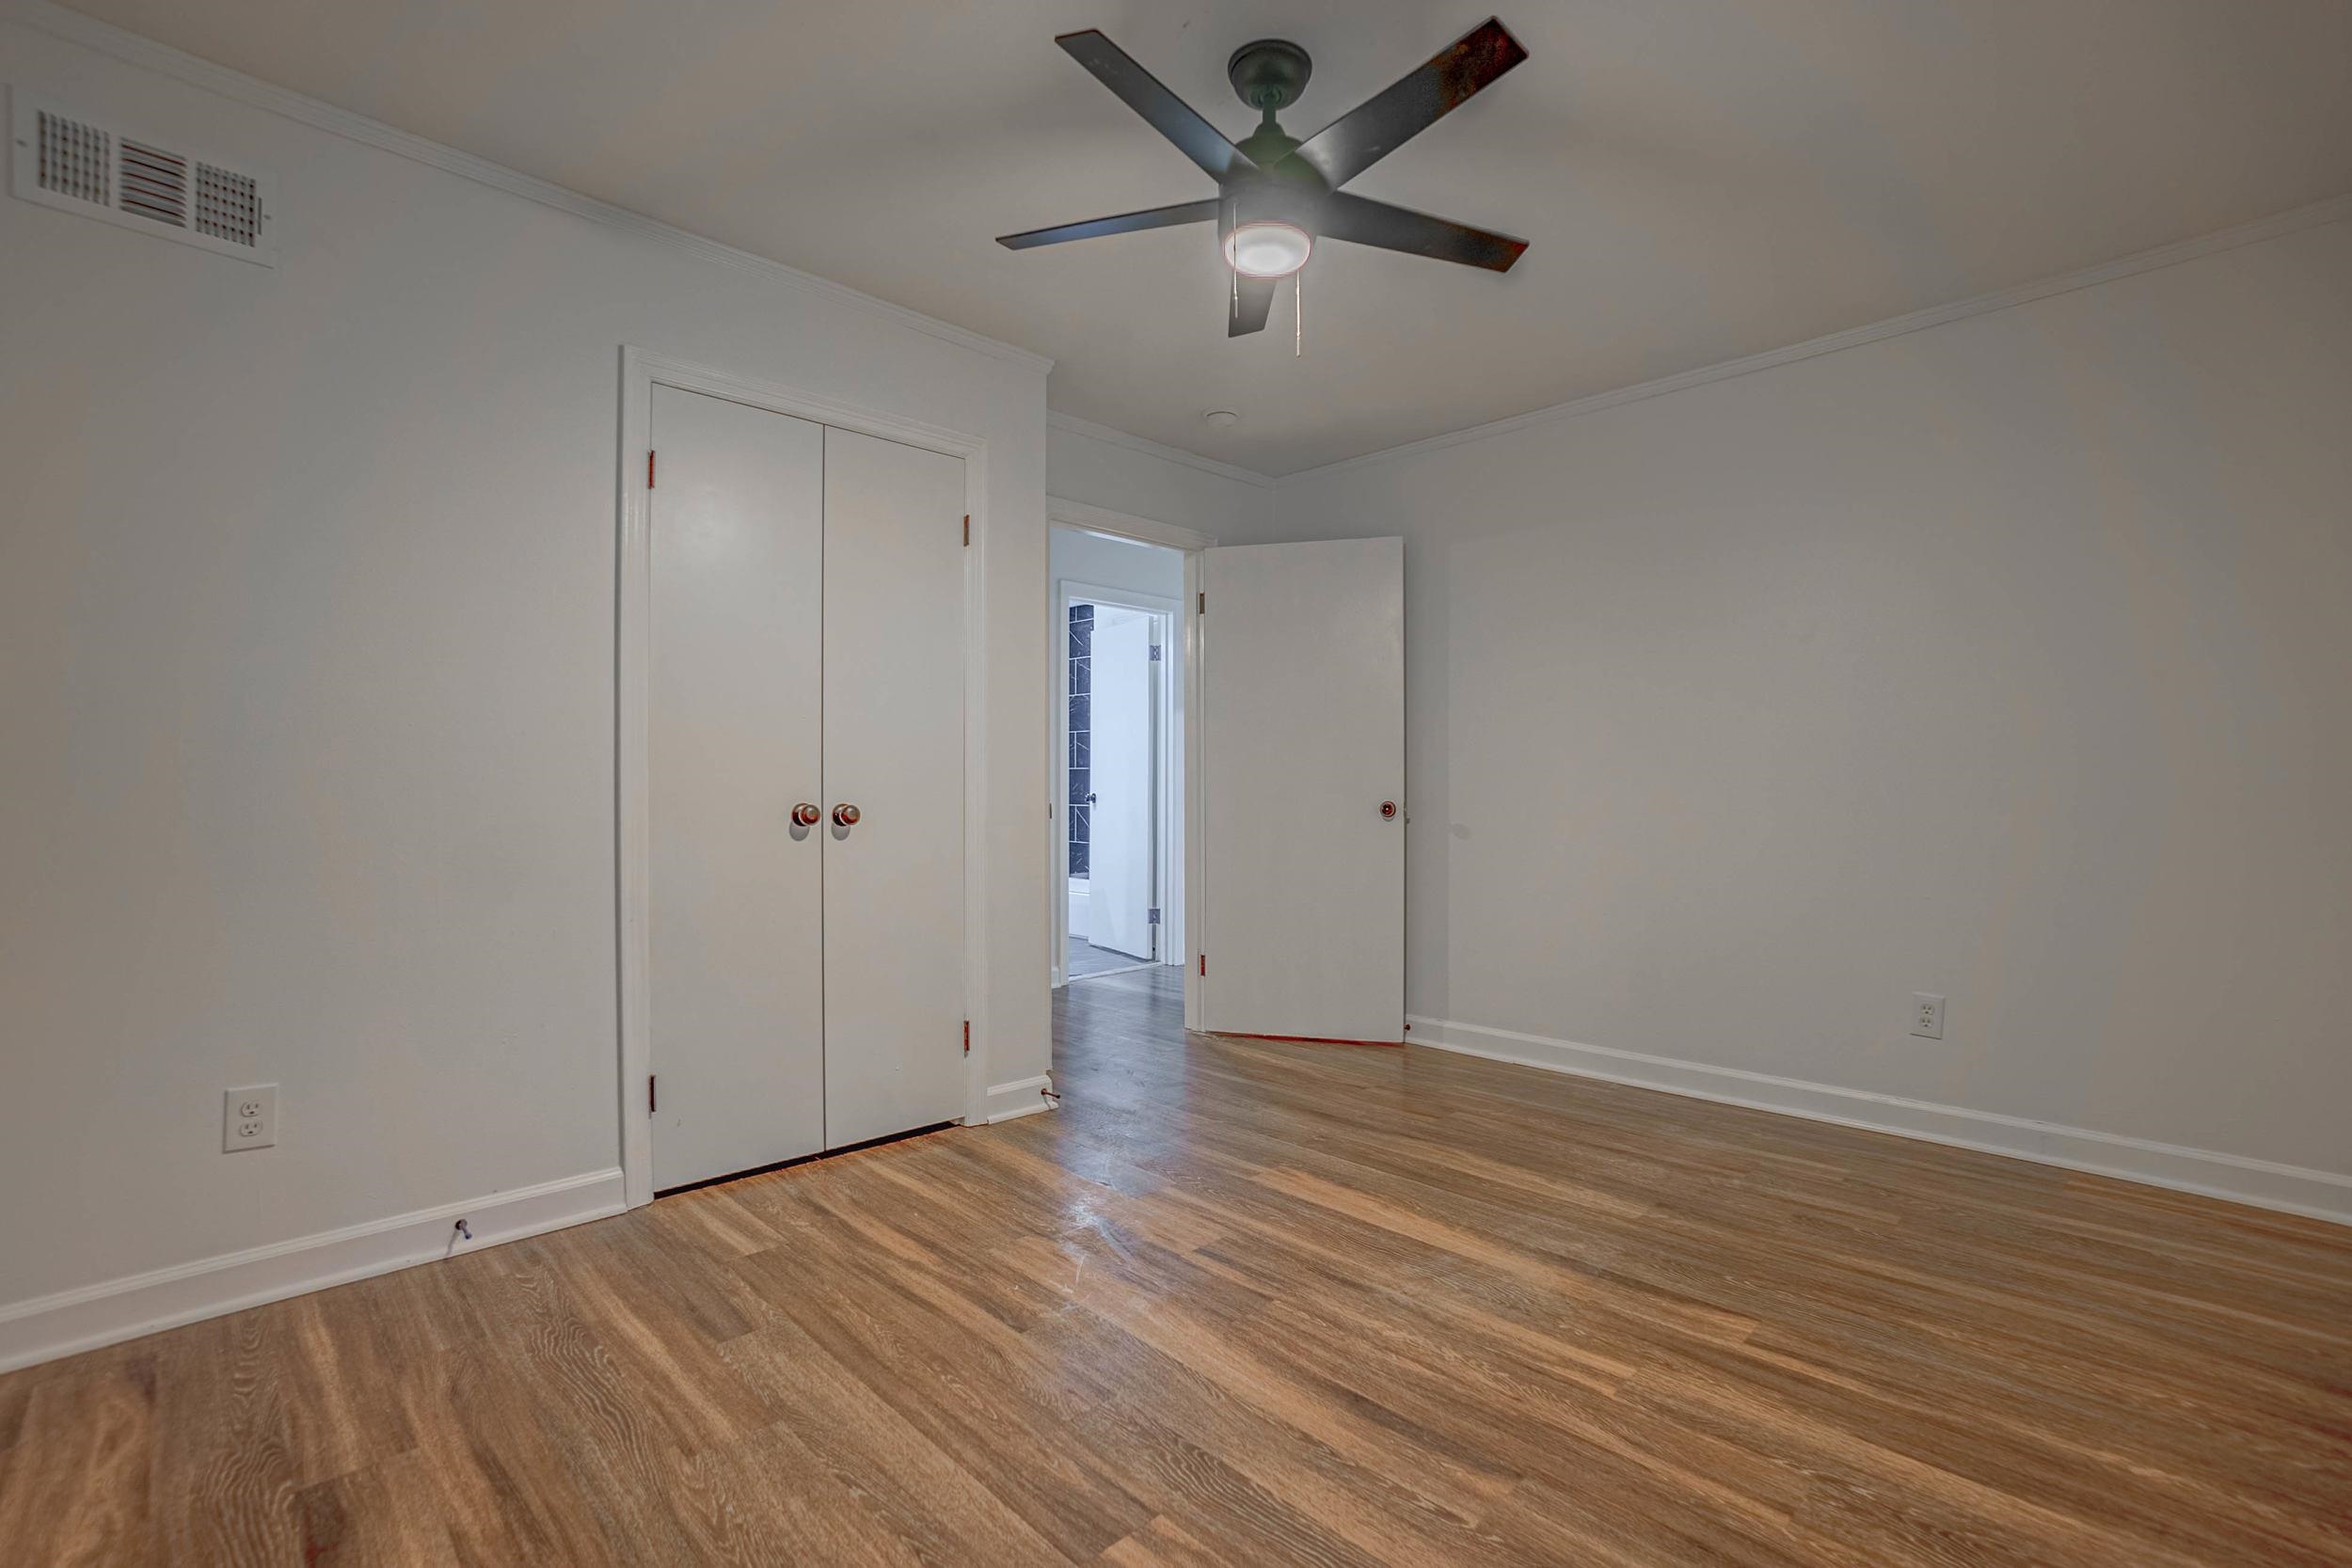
(1265, 248)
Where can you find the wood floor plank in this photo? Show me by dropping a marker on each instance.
(1244, 1303)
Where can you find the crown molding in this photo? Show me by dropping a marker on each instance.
(2318, 214)
(1076, 426)
(145, 53)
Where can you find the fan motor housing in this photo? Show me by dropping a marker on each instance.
(1265, 201)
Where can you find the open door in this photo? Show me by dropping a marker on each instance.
(1123, 822)
(1302, 770)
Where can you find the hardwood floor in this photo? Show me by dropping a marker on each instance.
(1255, 1304)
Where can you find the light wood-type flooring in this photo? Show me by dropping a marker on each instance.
(1257, 1304)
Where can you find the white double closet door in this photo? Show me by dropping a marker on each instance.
(806, 982)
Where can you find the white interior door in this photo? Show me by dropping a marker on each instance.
(1123, 821)
(1302, 718)
(894, 750)
(734, 988)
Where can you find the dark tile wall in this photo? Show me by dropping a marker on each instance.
(1081, 697)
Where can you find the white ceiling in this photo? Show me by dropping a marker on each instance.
(1701, 180)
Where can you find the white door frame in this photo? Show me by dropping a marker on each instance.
(1190, 543)
(1066, 592)
(640, 370)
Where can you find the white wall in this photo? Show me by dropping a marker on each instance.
(307, 595)
(2008, 659)
(1095, 467)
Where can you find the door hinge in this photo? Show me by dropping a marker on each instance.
(967, 1036)
(648, 468)
(1204, 965)
(967, 529)
(653, 1103)
(1204, 602)
(1151, 917)
(1156, 653)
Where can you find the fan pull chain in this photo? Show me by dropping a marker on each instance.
(1298, 315)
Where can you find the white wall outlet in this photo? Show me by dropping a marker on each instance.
(249, 1118)
(1927, 1016)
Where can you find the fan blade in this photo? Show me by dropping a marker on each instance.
(1167, 114)
(1252, 298)
(1126, 223)
(1384, 122)
(1342, 217)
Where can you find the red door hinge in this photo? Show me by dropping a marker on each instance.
(1204, 965)
(967, 1036)
(648, 468)
(967, 527)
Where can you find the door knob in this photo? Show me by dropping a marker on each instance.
(807, 815)
(844, 816)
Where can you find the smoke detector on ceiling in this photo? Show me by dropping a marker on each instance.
(1221, 419)
(153, 184)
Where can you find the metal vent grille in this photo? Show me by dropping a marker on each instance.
(75, 159)
(155, 184)
(228, 205)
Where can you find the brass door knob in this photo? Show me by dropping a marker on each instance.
(807, 815)
(844, 816)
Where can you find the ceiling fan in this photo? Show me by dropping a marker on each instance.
(1278, 195)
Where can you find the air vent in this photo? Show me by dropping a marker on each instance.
(76, 160)
(152, 184)
(156, 183)
(228, 205)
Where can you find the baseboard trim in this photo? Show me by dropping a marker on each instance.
(1022, 1097)
(49, 1327)
(2264, 1183)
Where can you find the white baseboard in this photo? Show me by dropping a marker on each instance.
(49, 1327)
(1023, 1097)
(2294, 1189)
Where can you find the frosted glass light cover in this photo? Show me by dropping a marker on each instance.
(1267, 249)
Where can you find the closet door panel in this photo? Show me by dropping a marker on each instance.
(735, 984)
(894, 751)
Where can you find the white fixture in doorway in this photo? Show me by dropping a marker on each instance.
(1125, 895)
(1125, 787)
(1100, 532)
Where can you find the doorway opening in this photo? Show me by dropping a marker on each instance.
(1119, 744)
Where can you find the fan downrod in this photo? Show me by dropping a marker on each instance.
(1269, 74)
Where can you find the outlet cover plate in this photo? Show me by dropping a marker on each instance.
(249, 1118)
(1927, 1016)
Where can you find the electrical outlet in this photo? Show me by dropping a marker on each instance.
(1927, 1016)
(249, 1118)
